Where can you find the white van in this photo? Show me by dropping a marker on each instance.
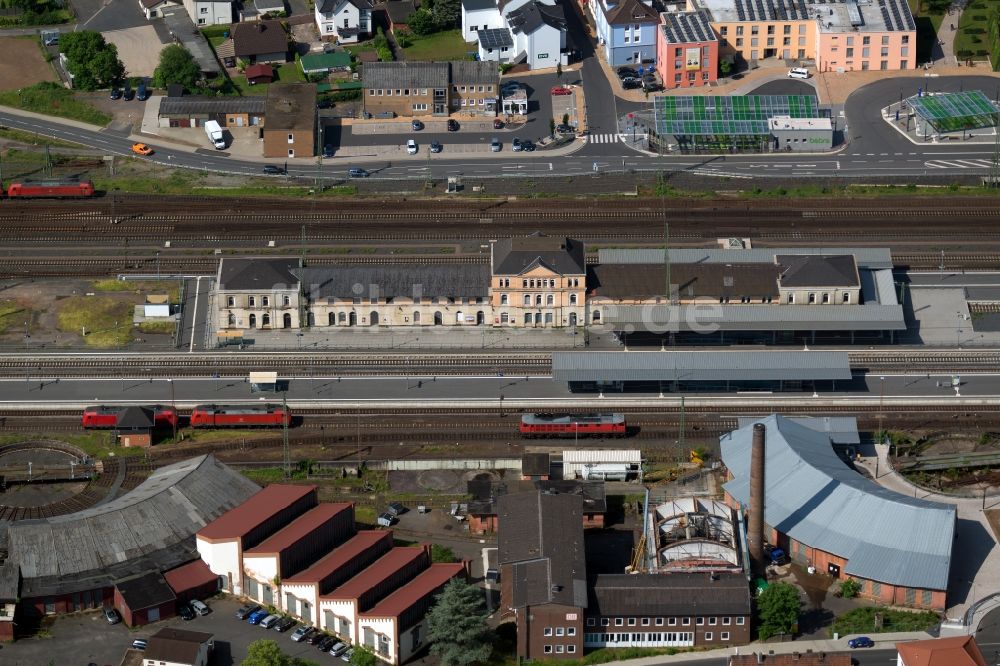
(215, 135)
(798, 73)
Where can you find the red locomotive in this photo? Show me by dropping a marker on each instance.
(106, 416)
(57, 189)
(228, 416)
(573, 425)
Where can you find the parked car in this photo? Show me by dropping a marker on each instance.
(52, 40)
(347, 655)
(243, 612)
(528, 146)
(302, 633)
(338, 649)
(411, 147)
(273, 169)
(630, 83)
(116, 93)
(184, 610)
(284, 624)
(327, 150)
(358, 172)
(129, 94)
(143, 93)
(270, 621)
(624, 72)
(112, 616)
(416, 125)
(325, 643)
(315, 637)
(651, 86)
(256, 616)
(452, 125)
(139, 644)
(436, 146)
(515, 145)
(497, 123)
(560, 90)
(861, 642)
(495, 145)
(386, 519)
(141, 149)
(199, 607)
(565, 129)
(798, 73)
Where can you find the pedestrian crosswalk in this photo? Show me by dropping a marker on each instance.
(959, 164)
(603, 138)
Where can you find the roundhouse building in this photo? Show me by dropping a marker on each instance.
(824, 514)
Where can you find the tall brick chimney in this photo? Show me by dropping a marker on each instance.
(755, 527)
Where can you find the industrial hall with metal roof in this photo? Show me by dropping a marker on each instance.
(826, 515)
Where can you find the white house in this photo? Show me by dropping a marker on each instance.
(539, 32)
(178, 647)
(202, 12)
(480, 15)
(344, 20)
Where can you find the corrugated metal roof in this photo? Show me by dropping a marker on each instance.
(699, 366)
(605, 456)
(840, 429)
(813, 497)
(712, 317)
(866, 257)
(885, 287)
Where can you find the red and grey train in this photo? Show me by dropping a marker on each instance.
(106, 416)
(573, 425)
(50, 189)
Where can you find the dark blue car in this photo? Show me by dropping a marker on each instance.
(256, 616)
(861, 642)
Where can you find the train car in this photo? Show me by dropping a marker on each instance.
(232, 416)
(573, 425)
(50, 189)
(106, 416)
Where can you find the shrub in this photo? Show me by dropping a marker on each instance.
(975, 30)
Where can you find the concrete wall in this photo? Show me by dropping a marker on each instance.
(223, 559)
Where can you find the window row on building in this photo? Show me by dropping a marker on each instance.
(660, 621)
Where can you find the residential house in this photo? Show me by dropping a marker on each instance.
(687, 50)
(954, 651)
(291, 120)
(346, 21)
(260, 41)
(539, 34)
(210, 12)
(152, 8)
(626, 30)
(405, 88)
(480, 15)
(475, 87)
(178, 647)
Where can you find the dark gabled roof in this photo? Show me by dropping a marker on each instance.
(474, 72)
(669, 594)
(327, 6)
(405, 75)
(541, 538)
(135, 418)
(186, 105)
(688, 27)
(397, 281)
(630, 11)
(812, 270)
(478, 5)
(486, 493)
(175, 645)
(399, 11)
(145, 591)
(515, 256)
(716, 281)
(533, 15)
(257, 273)
(291, 106)
(535, 464)
(259, 37)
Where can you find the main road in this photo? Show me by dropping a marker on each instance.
(873, 149)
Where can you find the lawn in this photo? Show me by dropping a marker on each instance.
(53, 100)
(440, 46)
(971, 40)
(107, 321)
(288, 72)
(12, 314)
(862, 621)
(170, 287)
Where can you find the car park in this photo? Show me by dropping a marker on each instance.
(111, 616)
(452, 125)
(256, 616)
(325, 643)
(184, 610)
(411, 147)
(243, 612)
(273, 169)
(116, 93)
(139, 644)
(141, 149)
(798, 73)
(495, 145)
(436, 147)
(860, 642)
(284, 624)
(560, 90)
(416, 125)
(303, 632)
(338, 649)
(515, 145)
(358, 172)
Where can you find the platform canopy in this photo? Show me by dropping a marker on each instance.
(954, 112)
(738, 115)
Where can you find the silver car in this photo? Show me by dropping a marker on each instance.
(495, 145)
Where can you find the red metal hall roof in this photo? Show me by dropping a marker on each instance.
(189, 576)
(380, 569)
(298, 529)
(339, 557)
(402, 599)
(260, 508)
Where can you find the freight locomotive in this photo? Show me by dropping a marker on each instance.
(50, 189)
(239, 416)
(573, 425)
(106, 416)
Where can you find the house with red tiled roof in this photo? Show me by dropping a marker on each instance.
(222, 542)
(341, 607)
(955, 651)
(304, 589)
(292, 549)
(396, 627)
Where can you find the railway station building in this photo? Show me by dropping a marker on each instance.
(825, 515)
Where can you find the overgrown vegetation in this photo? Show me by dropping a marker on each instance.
(104, 322)
(12, 314)
(34, 12)
(778, 610)
(54, 100)
(171, 288)
(36, 139)
(863, 621)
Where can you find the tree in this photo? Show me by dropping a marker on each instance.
(362, 656)
(263, 652)
(177, 65)
(93, 62)
(441, 553)
(849, 588)
(778, 610)
(447, 13)
(422, 22)
(725, 67)
(456, 625)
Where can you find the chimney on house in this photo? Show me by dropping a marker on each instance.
(755, 528)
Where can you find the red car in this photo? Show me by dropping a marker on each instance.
(573, 425)
(236, 416)
(560, 90)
